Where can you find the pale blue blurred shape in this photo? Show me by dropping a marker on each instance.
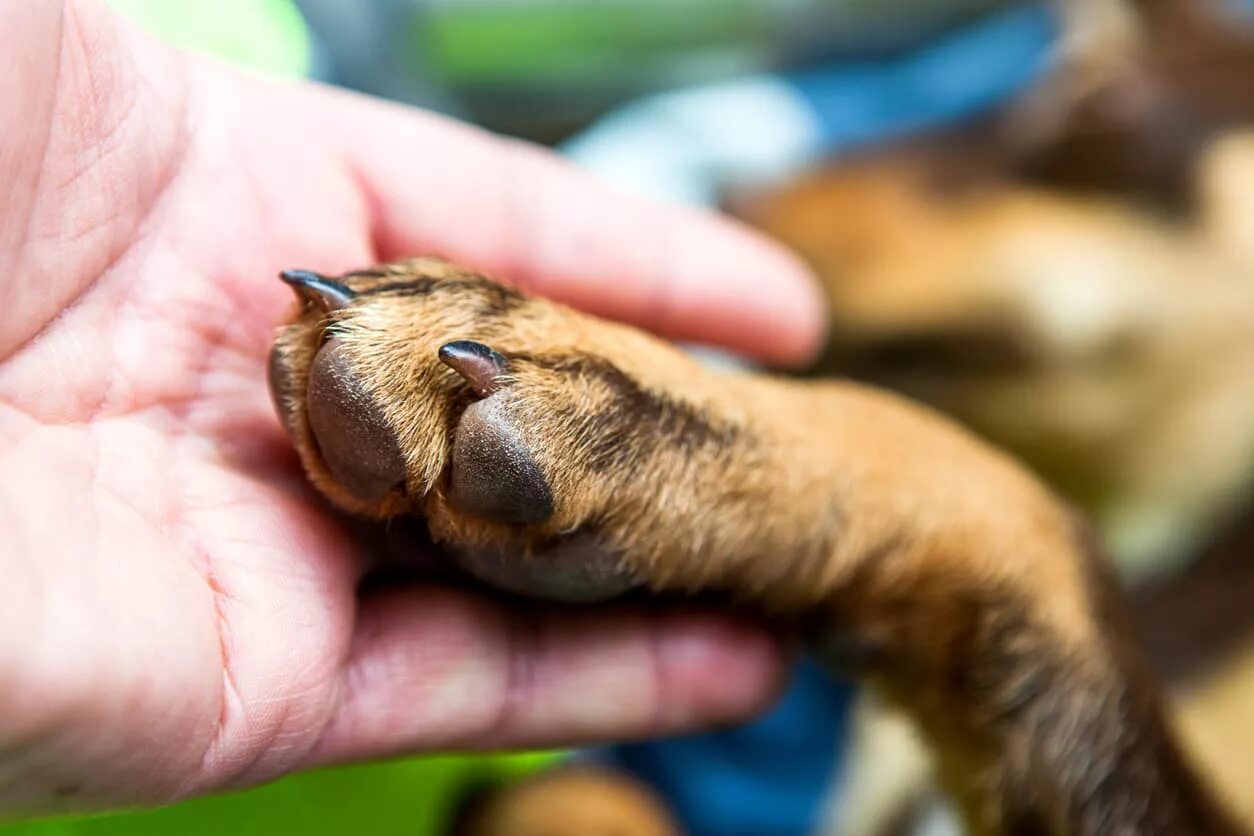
(689, 145)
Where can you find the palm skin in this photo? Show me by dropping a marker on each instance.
(179, 613)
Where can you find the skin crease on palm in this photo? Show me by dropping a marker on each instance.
(179, 614)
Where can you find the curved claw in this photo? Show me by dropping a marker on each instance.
(481, 366)
(317, 290)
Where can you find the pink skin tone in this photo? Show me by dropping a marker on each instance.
(179, 613)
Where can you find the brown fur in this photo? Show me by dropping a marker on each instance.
(1108, 347)
(877, 523)
(1136, 128)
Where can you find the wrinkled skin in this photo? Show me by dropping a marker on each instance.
(179, 613)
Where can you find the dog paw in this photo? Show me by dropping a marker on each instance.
(542, 446)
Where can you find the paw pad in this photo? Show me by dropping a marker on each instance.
(493, 475)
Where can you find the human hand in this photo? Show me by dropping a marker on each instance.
(179, 613)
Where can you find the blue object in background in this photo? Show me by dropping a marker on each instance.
(688, 145)
(955, 78)
(768, 778)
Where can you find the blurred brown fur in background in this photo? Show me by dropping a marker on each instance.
(1081, 296)
(1138, 129)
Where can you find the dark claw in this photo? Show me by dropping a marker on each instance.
(314, 289)
(482, 367)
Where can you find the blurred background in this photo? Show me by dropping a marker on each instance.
(1032, 217)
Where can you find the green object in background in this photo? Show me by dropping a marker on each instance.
(264, 35)
(564, 43)
(405, 798)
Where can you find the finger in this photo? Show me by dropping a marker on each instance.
(435, 669)
(522, 214)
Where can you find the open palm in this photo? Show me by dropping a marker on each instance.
(178, 612)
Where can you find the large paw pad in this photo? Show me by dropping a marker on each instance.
(493, 474)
